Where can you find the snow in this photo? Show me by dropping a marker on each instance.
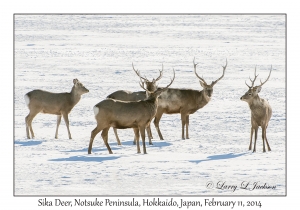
(98, 50)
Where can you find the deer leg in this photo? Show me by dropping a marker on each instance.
(28, 121)
(149, 134)
(31, 130)
(255, 138)
(66, 118)
(137, 139)
(269, 149)
(156, 123)
(183, 123)
(104, 135)
(187, 126)
(117, 137)
(27, 127)
(142, 131)
(251, 136)
(134, 139)
(93, 134)
(57, 125)
(263, 138)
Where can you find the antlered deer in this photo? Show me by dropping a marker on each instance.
(60, 104)
(261, 111)
(124, 95)
(126, 114)
(184, 101)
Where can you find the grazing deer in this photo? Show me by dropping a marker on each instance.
(60, 104)
(261, 111)
(126, 114)
(184, 101)
(124, 95)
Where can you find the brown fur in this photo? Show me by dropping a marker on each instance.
(59, 104)
(261, 112)
(184, 101)
(125, 114)
(124, 95)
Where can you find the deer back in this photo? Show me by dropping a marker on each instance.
(124, 114)
(176, 100)
(124, 95)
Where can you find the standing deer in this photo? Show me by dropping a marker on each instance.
(126, 114)
(124, 95)
(184, 101)
(261, 111)
(60, 104)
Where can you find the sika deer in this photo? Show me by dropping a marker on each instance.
(261, 111)
(60, 104)
(184, 101)
(124, 95)
(126, 114)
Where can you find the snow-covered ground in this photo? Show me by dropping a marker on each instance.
(52, 50)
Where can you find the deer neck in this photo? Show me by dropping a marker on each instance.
(153, 102)
(75, 96)
(255, 102)
(202, 99)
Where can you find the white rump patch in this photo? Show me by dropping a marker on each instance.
(27, 99)
(96, 110)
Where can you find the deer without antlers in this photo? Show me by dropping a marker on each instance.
(124, 95)
(261, 111)
(60, 104)
(126, 114)
(184, 101)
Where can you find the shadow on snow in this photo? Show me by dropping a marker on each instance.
(115, 146)
(219, 157)
(130, 143)
(85, 158)
(28, 143)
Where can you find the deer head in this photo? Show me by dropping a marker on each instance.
(79, 87)
(150, 85)
(253, 91)
(155, 93)
(208, 89)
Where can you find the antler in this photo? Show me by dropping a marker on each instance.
(255, 76)
(142, 86)
(261, 83)
(195, 66)
(138, 73)
(224, 67)
(160, 73)
(171, 80)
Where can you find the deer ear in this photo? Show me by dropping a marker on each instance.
(258, 89)
(75, 81)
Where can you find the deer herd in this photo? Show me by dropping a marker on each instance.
(124, 109)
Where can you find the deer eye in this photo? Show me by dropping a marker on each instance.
(249, 94)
